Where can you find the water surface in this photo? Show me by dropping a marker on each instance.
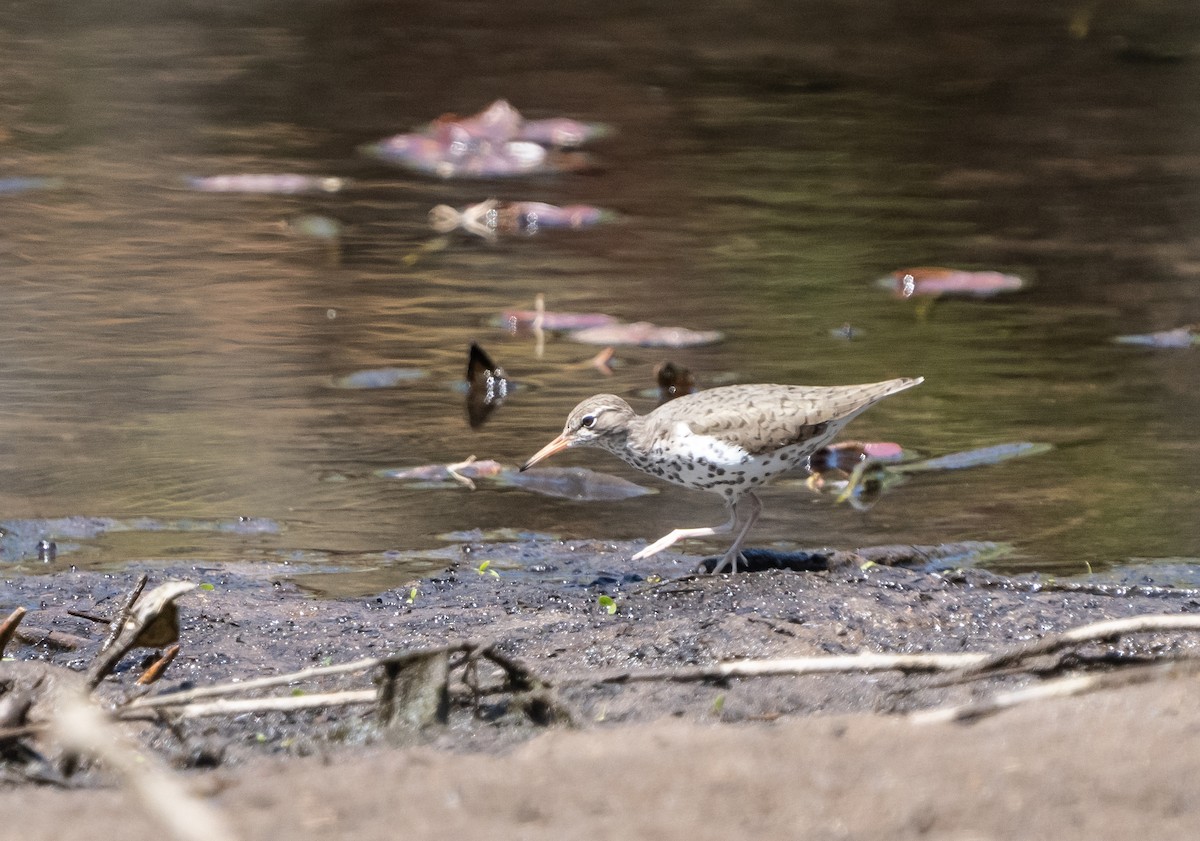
(170, 354)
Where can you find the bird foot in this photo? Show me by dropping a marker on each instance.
(731, 561)
(679, 534)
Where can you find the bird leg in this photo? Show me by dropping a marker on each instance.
(745, 512)
(680, 534)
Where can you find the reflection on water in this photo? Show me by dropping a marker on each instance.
(173, 354)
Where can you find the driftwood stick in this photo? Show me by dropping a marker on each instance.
(291, 703)
(847, 663)
(236, 688)
(1063, 687)
(1096, 632)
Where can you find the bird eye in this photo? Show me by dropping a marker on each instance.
(588, 421)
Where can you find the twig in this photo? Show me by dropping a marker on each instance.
(1063, 687)
(118, 621)
(1096, 632)
(452, 472)
(866, 662)
(237, 706)
(236, 688)
(9, 627)
(154, 622)
(83, 727)
(155, 670)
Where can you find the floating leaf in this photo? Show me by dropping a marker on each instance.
(493, 217)
(573, 483)
(28, 184)
(977, 458)
(442, 472)
(645, 334)
(495, 143)
(279, 184)
(1180, 337)
(379, 377)
(935, 281)
(514, 320)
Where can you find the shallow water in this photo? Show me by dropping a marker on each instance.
(171, 354)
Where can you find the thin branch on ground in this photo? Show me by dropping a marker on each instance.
(238, 687)
(1105, 631)
(1063, 687)
(238, 706)
(793, 666)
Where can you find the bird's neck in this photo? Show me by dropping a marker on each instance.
(626, 443)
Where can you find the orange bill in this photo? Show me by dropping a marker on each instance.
(556, 446)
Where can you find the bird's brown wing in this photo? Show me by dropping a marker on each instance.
(759, 418)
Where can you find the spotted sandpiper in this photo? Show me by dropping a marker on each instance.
(726, 440)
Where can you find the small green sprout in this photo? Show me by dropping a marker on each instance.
(485, 569)
(718, 704)
(207, 586)
(609, 604)
(412, 595)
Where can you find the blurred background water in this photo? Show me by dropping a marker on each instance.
(170, 354)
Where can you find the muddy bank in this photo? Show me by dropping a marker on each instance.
(826, 752)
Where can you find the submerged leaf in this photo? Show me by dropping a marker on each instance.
(1180, 337)
(645, 334)
(444, 472)
(934, 281)
(977, 458)
(573, 483)
(515, 320)
(379, 377)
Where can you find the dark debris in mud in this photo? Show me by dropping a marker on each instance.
(539, 603)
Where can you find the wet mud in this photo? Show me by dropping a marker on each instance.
(579, 617)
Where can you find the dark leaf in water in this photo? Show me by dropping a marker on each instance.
(1180, 337)
(378, 377)
(934, 281)
(574, 483)
(487, 386)
(673, 381)
(645, 334)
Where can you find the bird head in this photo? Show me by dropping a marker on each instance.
(600, 421)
